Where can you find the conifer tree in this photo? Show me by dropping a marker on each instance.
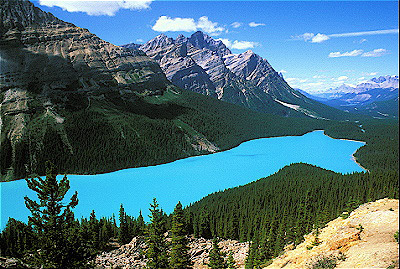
(94, 230)
(216, 257)
(123, 236)
(54, 224)
(179, 257)
(156, 252)
(140, 225)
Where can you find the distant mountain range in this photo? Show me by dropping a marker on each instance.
(377, 97)
(201, 64)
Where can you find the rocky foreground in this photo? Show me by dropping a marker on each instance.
(132, 255)
(363, 240)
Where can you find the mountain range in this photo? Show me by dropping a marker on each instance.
(377, 97)
(91, 107)
(204, 65)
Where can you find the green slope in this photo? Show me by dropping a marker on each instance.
(108, 132)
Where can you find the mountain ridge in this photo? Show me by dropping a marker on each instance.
(204, 65)
(376, 97)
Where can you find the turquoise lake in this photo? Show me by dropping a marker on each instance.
(190, 179)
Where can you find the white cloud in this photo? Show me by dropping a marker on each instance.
(226, 41)
(283, 71)
(345, 54)
(342, 78)
(208, 26)
(291, 79)
(361, 78)
(236, 24)
(255, 24)
(362, 40)
(375, 53)
(378, 32)
(168, 24)
(139, 40)
(305, 36)
(373, 74)
(319, 38)
(240, 45)
(97, 7)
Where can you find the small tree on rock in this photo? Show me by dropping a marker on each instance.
(216, 256)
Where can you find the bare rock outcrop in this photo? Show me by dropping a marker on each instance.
(132, 255)
(363, 240)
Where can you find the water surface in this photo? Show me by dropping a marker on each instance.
(190, 179)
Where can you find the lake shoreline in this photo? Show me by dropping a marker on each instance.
(205, 154)
(352, 155)
(190, 179)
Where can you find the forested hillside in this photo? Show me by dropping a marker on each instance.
(107, 134)
(279, 209)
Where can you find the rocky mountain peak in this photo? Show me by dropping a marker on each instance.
(201, 40)
(157, 43)
(248, 52)
(181, 39)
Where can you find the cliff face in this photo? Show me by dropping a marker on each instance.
(36, 45)
(363, 240)
(51, 69)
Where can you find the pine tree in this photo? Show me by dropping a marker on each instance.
(216, 257)
(53, 222)
(123, 236)
(156, 252)
(140, 225)
(179, 257)
(94, 230)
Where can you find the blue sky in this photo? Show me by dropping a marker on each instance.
(317, 45)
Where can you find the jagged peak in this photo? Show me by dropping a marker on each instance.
(161, 39)
(201, 40)
(181, 39)
(161, 36)
(200, 34)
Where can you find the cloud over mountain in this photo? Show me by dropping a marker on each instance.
(168, 24)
